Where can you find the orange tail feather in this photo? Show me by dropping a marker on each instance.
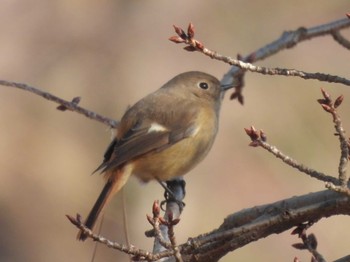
(115, 182)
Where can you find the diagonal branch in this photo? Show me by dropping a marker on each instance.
(243, 63)
(64, 105)
(287, 40)
(259, 139)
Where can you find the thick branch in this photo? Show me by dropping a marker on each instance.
(258, 222)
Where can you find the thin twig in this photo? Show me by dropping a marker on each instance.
(258, 139)
(309, 241)
(344, 156)
(131, 250)
(287, 40)
(156, 222)
(331, 107)
(293, 163)
(337, 36)
(317, 255)
(340, 189)
(170, 223)
(277, 71)
(64, 105)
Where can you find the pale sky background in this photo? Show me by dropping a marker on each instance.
(112, 53)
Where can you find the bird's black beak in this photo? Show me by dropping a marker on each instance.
(227, 87)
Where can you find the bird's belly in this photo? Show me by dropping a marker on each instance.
(177, 160)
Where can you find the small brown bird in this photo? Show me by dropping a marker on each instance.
(163, 136)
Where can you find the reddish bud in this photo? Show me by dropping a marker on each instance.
(190, 30)
(241, 99)
(248, 131)
(76, 100)
(180, 32)
(327, 108)
(156, 208)
(62, 108)
(234, 95)
(163, 221)
(72, 220)
(78, 218)
(338, 101)
(190, 48)
(176, 39)
(311, 239)
(175, 221)
(254, 144)
(199, 45)
(150, 219)
(325, 94)
(252, 133)
(296, 231)
(299, 246)
(322, 101)
(348, 15)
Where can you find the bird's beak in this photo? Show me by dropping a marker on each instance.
(227, 87)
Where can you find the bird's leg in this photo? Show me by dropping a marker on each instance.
(174, 191)
(167, 193)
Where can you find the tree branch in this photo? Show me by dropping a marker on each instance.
(259, 139)
(258, 222)
(288, 39)
(63, 104)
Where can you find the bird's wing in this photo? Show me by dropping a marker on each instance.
(143, 137)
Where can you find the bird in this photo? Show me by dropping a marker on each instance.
(161, 137)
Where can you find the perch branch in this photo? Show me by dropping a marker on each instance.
(258, 222)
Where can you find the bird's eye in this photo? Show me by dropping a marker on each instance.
(203, 85)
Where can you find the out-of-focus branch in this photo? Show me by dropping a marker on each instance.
(341, 39)
(63, 104)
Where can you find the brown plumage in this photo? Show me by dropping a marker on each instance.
(164, 135)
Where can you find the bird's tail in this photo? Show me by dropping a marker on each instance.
(114, 183)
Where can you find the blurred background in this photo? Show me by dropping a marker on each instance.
(114, 52)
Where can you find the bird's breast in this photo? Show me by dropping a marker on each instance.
(179, 158)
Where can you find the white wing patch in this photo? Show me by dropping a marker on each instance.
(155, 127)
(196, 130)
